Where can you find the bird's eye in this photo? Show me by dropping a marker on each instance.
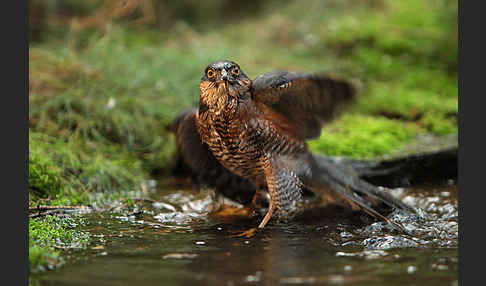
(236, 71)
(210, 73)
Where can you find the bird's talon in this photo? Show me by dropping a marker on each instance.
(248, 233)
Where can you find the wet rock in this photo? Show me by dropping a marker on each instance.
(367, 254)
(175, 217)
(435, 225)
(440, 266)
(163, 206)
(411, 269)
(445, 194)
(377, 227)
(126, 218)
(179, 256)
(254, 278)
(345, 234)
(388, 242)
(448, 211)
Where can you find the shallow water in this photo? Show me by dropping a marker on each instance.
(171, 240)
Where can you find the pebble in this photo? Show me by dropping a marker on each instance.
(160, 205)
(179, 256)
(440, 266)
(254, 278)
(345, 234)
(411, 269)
(368, 254)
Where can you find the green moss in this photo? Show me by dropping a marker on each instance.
(105, 100)
(361, 136)
(439, 123)
(86, 168)
(43, 258)
(109, 101)
(406, 53)
(50, 233)
(417, 30)
(44, 176)
(406, 102)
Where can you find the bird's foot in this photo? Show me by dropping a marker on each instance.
(247, 234)
(227, 211)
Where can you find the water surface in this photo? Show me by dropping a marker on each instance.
(171, 240)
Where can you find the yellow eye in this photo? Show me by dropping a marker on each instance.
(236, 71)
(210, 73)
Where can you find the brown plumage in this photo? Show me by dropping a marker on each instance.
(256, 132)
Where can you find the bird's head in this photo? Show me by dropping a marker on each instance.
(223, 79)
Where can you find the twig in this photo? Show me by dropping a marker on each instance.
(47, 208)
(51, 210)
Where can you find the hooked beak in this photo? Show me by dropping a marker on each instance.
(224, 74)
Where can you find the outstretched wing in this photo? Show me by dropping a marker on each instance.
(204, 166)
(307, 100)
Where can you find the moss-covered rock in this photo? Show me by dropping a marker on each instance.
(360, 136)
(44, 175)
(48, 233)
(72, 171)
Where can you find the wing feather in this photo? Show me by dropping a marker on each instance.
(307, 100)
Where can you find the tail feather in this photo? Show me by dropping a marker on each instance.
(348, 194)
(345, 182)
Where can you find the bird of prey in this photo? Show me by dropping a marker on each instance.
(253, 133)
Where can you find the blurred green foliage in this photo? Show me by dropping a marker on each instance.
(105, 83)
(409, 57)
(106, 96)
